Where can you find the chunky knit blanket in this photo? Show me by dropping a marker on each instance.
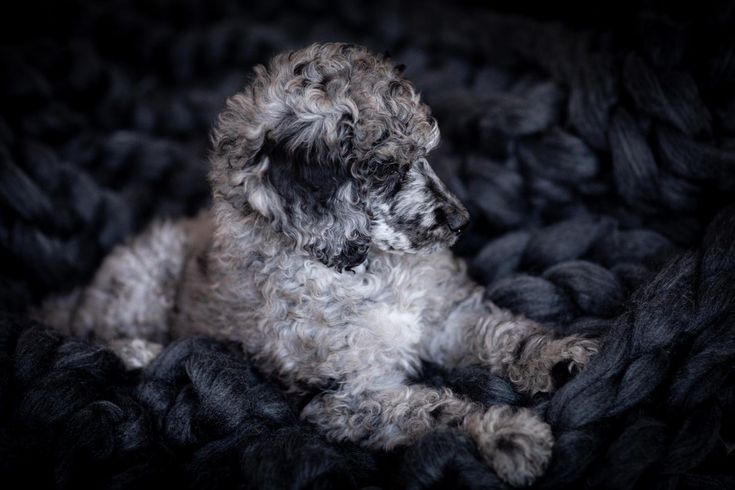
(598, 165)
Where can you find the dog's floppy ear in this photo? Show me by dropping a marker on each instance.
(283, 153)
(313, 194)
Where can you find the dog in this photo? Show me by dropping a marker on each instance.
(326, 256)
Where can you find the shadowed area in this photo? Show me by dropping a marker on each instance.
(594, 149)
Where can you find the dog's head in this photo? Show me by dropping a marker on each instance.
(329, 145)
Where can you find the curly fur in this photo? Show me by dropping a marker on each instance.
(328, 262)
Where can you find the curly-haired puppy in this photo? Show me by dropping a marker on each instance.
(325, 255)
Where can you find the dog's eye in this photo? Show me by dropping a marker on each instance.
(385, 171)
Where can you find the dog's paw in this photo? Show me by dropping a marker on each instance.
(552, 364)
(514, 442)
(135, 353)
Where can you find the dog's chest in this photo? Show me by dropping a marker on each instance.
(381, 300)
(394, 325)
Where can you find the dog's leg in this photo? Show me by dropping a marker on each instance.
(513, 441)
(477, 331)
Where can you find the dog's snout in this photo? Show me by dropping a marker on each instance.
(457, 220)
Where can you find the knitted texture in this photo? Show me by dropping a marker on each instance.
(598, 165)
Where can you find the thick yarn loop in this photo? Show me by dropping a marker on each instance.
(68, 404)
(598, 166)
(685, 302)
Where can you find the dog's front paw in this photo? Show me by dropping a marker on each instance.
(514, 442)
(551, 364)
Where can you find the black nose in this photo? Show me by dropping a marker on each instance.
(457, 221)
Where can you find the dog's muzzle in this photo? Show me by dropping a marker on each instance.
(457, 219)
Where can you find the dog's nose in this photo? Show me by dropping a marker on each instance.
(457, 220)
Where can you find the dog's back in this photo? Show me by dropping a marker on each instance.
(134, 292)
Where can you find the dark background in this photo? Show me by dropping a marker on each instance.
(594, 146)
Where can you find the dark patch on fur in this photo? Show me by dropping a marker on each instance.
(303, 180)
(353, 254)
(307, 182)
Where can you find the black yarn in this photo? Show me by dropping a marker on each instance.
(199, 417)
(689, 298)
(444, 460)
(598, 165)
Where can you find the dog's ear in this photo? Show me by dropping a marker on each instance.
(313, 194)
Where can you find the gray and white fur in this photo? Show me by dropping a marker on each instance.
(325, 255)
